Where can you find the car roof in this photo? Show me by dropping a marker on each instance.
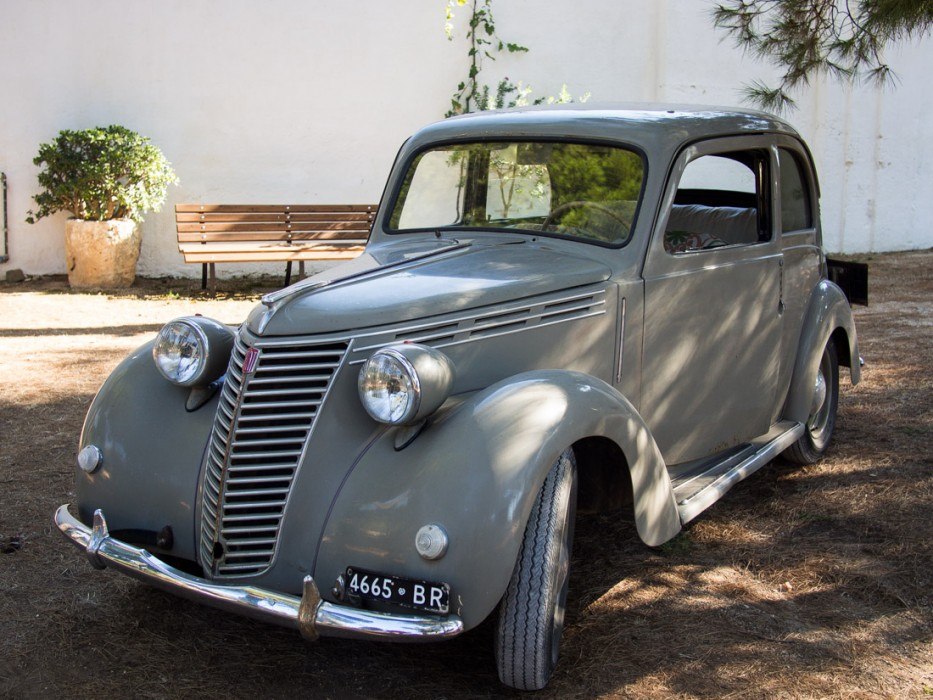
(649, 125)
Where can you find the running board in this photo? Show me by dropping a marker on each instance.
(694, 504)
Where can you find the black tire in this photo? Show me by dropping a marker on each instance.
(822, 420)
(531, 614)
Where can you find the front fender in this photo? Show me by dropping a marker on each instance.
(476, 471)
(152, 451)
(827, 312)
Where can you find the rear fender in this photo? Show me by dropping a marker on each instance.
(476, 471)
(828, 316)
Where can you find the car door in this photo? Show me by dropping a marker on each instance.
(713, 308)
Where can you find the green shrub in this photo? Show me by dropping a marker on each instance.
(101, 173)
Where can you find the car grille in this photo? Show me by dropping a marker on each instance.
(262, 423)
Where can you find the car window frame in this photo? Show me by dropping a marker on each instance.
(658, 261)
(805, 163)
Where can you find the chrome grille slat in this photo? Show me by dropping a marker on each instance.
(279, 416)
(252, 505)
(248, 530)
(256, 542)
(287, 392)
(260, 455)
(260, 429)
(256, 381)
(241, 518)
(259, 467)
(266, 430)
(279, 404)
(260, 479)
(260, 443)
(281, 368)
(254, 492)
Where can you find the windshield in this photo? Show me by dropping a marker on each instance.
(568, 190)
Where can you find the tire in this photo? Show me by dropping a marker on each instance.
(531, 614)
(819, 428)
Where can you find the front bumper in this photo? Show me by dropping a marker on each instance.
(311, 615)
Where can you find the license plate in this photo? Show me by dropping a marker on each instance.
(420, 595)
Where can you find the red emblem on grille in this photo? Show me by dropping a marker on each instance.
(249, 362)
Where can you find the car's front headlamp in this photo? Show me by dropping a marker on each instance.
(193, 351)
(405, 383)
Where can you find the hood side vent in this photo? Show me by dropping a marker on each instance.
(509, 318)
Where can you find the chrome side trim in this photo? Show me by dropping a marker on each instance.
(621, 341)
(691, 507)
(310, 615)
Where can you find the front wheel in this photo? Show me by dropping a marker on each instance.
(531, 615)
(819, 428)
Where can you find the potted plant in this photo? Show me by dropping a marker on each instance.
(107, 177)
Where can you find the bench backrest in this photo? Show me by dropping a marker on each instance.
(205, 223)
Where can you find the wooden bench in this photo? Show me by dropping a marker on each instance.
(219, 233)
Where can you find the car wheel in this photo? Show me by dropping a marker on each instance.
(819, 428)
(531, 615)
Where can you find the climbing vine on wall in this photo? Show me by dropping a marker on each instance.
(472, 94)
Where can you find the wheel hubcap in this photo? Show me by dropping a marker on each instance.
(821, 404)
(819, 393)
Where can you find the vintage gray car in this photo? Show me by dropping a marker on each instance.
(558, 310)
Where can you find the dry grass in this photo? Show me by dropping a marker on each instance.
(801, 583)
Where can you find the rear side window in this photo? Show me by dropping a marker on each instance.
(721, 200)
(796, 211)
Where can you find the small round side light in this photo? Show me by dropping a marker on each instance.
(89, 458)
(431, 542)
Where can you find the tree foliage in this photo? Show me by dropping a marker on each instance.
(101, 173)
(845, 38)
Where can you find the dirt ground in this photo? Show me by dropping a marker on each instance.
(814, 582)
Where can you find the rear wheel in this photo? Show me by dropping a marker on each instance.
(531, 615)
(819, 428)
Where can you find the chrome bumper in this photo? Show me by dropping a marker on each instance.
(312, 616)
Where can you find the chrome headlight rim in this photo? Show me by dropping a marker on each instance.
(427, 371)
(414, 403)
(208, 345)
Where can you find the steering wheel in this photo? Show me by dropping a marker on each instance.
(582, 204)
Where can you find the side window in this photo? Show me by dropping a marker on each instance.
(721, 200)
(796, 211)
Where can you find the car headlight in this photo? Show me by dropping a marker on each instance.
(193, 351)
(405, 383)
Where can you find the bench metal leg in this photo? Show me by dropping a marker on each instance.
(288, 273)
(213, 278)
(203, 275)
(301, 270)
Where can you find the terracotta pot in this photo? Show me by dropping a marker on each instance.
(102, 253)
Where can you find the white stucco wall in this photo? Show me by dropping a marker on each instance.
(298, 101)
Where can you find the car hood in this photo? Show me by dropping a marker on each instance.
(417, 279)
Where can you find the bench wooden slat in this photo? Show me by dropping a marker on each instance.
(211, 217)
(201, 254)
(246, 246)
(281, 237)
(300, 226)
(271, 208)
